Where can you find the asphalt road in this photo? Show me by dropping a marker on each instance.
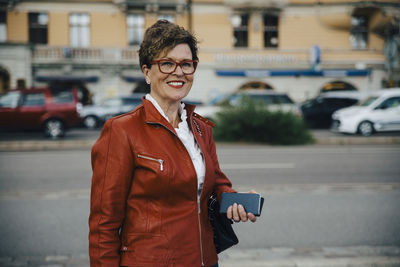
(316, 196)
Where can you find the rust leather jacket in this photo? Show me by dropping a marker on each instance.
(144, 207)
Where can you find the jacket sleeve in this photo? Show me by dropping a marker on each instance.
(222, 183)
(112, 165)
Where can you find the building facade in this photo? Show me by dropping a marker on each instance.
(295, 46)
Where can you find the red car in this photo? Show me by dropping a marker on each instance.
(50, 110)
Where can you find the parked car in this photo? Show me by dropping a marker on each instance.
(52, 111)
(317, 112)
(271, 99)
(378, 113)
(95, 115)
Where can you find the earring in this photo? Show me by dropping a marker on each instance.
(147, 81)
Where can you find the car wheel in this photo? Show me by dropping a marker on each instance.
(91, 122)
(365, 128)
(54, 128)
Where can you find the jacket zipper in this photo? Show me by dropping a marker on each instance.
(198, 202)
(201, 243)
(153, 159)
(197, 196)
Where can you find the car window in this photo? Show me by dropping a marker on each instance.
(264, 99)
(33, 99)
(9, 100)
(62, 97)
(368, 101)
(349, 101)
(339, 102)
(390, 103)
(114, 102)
(131, 101)
(282, 99)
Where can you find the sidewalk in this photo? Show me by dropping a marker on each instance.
(234, 257)
(322, 137)
(324, 257)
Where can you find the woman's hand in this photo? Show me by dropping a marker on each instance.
(237, 212)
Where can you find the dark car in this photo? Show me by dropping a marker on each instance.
(95, 115)
(317, 112)
(52, 111)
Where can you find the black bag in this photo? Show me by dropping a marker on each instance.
(224, 236)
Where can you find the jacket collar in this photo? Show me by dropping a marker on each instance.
(152, 116)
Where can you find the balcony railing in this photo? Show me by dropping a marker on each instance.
(48, 54)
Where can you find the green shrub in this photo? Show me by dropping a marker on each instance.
(252, 122)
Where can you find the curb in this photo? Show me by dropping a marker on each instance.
(381, 140)
(323, 257)
(41, 145)
(363, 256)
(45, 145)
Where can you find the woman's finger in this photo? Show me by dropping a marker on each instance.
(229, 213)
(235, 213)
(252, 217)
(242, 213)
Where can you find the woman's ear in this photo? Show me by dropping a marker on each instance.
(146, 72)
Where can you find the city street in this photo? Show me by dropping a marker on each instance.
(315, 197)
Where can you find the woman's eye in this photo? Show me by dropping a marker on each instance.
(187, 64)
(167, 64)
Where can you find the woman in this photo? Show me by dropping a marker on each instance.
(155, 168)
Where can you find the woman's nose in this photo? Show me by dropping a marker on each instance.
(178, 71)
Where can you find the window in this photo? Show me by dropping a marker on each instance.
(38, 28)
(135, 23)
(170, 18)
(79, 31)
(9, 100)
(392, 102)
(62, 97)
(359, 32)
(240, 23)
(36, 99)
(3, 26)
(271, 30)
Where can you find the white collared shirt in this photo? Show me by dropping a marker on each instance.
(187, 138)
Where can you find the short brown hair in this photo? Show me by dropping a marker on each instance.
(163, 36)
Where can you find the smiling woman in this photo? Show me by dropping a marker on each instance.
(155, 168)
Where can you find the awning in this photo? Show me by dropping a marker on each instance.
(67, 78)
(296, 73)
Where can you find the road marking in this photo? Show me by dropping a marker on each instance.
(266, 189)
(52, 195)
(247, 166)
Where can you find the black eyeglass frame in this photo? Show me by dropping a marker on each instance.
(195, 62)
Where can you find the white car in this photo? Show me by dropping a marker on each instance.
(272, 100)
(95, 115)
(378, 113)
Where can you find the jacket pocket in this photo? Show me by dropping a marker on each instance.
(154, 159)
(146, 247)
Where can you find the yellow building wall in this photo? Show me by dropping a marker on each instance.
(375, 42)
(149, 19)
(336, 1)
(306, 31)
(213, 30)
(108, 30)
(208, 1)
(17, 27)
(182, 20)
(58, 29)
(256, 32)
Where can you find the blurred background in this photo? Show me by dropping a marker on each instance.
(71, 65)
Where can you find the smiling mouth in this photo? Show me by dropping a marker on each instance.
(176, 84)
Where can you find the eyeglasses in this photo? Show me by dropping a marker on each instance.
(168, 66)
